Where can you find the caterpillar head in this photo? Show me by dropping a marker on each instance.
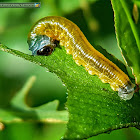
(41, 45)
(126, 93)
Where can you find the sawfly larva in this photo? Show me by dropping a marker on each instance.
(42, 40)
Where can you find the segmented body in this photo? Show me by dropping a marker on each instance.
(76, 44)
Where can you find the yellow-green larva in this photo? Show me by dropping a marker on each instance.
(46, 32)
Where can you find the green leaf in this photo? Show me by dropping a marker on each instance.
(19, 111)
(93, 106)
(127, 33)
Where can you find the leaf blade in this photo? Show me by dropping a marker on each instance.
(127, 34)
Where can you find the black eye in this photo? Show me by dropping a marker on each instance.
(56, 42)
(46, 50)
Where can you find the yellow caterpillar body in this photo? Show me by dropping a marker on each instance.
(70, 36)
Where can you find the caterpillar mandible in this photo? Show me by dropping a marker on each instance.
(42, 40)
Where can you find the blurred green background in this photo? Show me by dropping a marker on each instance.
(95, 19)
